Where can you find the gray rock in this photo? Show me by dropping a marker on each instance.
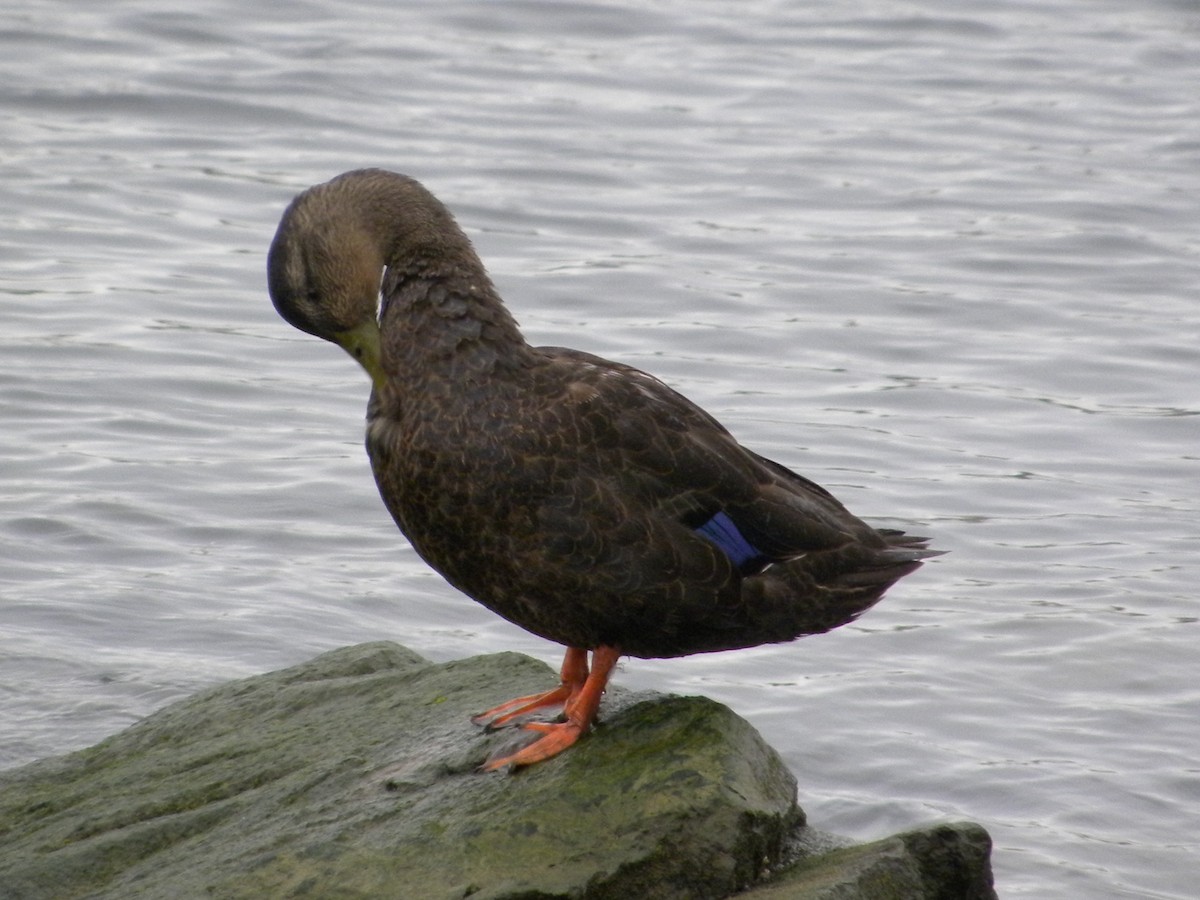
(354, 776)
(940, 862)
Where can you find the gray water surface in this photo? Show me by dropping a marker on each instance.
(941, 258)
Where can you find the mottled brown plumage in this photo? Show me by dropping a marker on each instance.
(582, 499)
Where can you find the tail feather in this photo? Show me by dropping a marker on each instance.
(821, 591)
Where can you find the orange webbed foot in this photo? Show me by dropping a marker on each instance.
(579, 694)
(573, 675)
(507, 713)
(556, 737)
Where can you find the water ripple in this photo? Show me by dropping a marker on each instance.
(942, 260)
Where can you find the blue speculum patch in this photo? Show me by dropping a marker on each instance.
(722, 532)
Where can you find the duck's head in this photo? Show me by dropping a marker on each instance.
(324, 270)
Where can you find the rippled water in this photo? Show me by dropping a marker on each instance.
(943, 259)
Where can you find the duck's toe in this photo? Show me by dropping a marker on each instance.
(556, 737)
(508, 713)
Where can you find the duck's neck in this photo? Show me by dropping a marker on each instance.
(441, 316)
(442, 319)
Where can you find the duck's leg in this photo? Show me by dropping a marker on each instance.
(573, 675)
(579, 709)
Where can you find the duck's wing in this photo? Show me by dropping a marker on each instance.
(682, 464)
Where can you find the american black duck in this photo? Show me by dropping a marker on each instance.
(582, 499)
